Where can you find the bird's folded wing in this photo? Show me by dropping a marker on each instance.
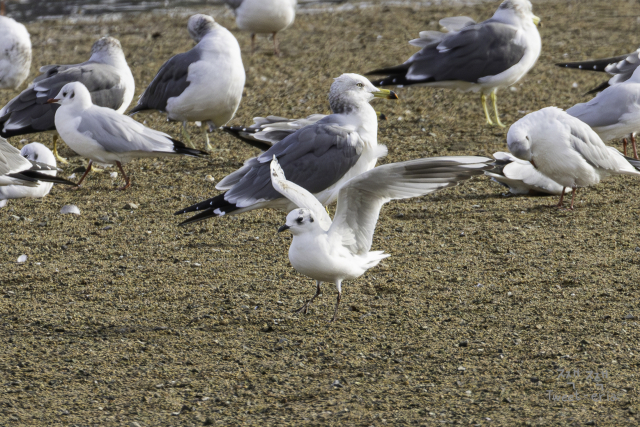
(11, 161)
(361, 198)
(117, 133)
(476, 51)
(170, 81)
(608, 107)
(586, 142)
(298, 195)
(314, 157)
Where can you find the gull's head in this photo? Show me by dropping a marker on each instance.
(352, 90)
(519, 139)
(37, 152)
(106, 45)
(299, 221)
(199, 25)
(511, 11)
(73, 94)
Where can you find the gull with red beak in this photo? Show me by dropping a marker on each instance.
(106, 137)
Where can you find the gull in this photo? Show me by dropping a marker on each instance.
(521, 177)
(15, 52)
(566, 150)
(106, 75)
(340, 250)
(204, 84)
(473, 57)
(266, 131)
(263, 17)
(319, 157)
(15, 170)
(614, 112)
(104, 136)
(619, 67)
(36, 153)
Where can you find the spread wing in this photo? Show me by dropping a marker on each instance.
(361, 198)
(298, 195)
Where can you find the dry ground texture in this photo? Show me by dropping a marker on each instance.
(120, 317)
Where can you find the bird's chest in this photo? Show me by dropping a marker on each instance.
(318, 259)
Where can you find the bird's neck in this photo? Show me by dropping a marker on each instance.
(115, 59)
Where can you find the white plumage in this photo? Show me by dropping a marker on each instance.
(521, 177)
(264, 16)
(15, 53)
(35, 152)
(340, 250)
(204, 84)
(106, 137)
(566, 150)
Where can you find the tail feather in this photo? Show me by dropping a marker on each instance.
(599, 88)
(216, 206)
(593, 65)
(244, 134)
(34, 176)
(180, 148)
(635, 163)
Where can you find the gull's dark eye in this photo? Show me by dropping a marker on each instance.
(299, 220)
(310, 219)
(73, 94)
(64, 94)
(360, 85)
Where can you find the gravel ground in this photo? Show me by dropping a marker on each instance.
(120, 317)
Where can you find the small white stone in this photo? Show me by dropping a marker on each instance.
(22, 258)
(574, 85)
(70, 209)
(72, 176)
(113, 175)
(209, 178)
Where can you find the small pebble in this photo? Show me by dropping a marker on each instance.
(22, 258)
(113, 175)
(209, 178)
(70, 209)
(131, 206)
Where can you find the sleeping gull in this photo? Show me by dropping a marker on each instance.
(473, 57)
(34, 152)
(614, 112)
(15, 53)
(105, 136)
(204, 84)
(566, 150)
(17, 170)
(520, 177)
(263, 17)
(106, 75)
(318, 157)
(266, 131)
(340, 250)
(619, 67)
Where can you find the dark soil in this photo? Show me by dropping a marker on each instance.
(120, 317)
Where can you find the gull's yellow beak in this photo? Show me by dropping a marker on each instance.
(537, 21)
(386, 94)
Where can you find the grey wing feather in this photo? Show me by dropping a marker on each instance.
(476, 51)
(361, 198)
(30, 109)
(169, 82)
(456, 23)
(586, 142)
(119, 134)
(608, 107)
(11, 161)
(315, 158)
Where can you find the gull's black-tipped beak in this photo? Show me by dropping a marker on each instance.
(386, 94)
(52, 101)
(283, 228)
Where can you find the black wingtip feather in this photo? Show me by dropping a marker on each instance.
(236, 132)
(34, 176)
(598, 65)
(206, 209)
(180, 148)
(599, 88)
